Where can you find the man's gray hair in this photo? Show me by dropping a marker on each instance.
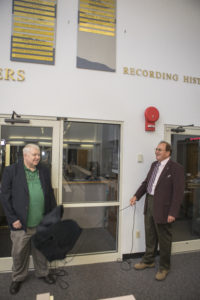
(28, 147)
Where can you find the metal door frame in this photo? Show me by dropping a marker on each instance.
(6, 262)
(57, 158)
(191, 245)
(104, 256)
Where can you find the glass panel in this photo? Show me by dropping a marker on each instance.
(99, 228)
(186, 151)
(13, 139)
(90, 162)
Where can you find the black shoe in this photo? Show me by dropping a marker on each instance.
(14, 287)
(49, 279)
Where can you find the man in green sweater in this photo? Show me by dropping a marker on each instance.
(27, 195)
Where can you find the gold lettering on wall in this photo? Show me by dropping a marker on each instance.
(11, 75)
(192, 80)
(150, 74)
(159, 75)
(21, 75)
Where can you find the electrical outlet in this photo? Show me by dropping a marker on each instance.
(138, 234)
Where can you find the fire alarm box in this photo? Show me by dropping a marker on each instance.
(151, 116)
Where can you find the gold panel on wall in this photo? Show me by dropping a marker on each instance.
(96, 35)
(33, 31)
(97, 16)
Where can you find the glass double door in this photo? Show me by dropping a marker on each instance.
(13, 138)
(90, 186)
(84, 160)
(186, 151)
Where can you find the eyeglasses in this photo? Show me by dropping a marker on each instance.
(159, 150)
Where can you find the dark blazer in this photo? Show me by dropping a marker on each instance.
(168, 193)
(15, 195)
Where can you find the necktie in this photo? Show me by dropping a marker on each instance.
(153, 177)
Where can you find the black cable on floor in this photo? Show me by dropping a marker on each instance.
(58, 274)
(125, 265)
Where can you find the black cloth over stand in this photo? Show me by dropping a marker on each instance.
(55, 237)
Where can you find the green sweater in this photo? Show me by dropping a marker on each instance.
(36, 198)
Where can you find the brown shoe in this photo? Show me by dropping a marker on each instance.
(142, 266)
(162, 274)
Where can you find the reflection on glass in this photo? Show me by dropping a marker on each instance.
(13, 140)
(186, 151)
(99, 228)
(90, 162)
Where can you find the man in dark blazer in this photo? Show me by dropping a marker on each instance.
(26, 196)
(164, 188)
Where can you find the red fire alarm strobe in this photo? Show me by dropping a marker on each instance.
(151, 116)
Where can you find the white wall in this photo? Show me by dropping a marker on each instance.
(151, 35)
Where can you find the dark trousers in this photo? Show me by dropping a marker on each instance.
(157, 234)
